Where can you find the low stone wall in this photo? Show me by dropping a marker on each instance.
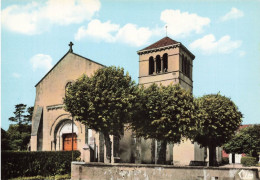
(101, 171)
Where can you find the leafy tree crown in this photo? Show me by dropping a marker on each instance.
(103, 102)
(219, 119)
(166, 113)
(246, 140)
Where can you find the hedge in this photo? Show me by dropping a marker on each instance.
(225, 160)
(248, 161)
(56, 177)
(40, 163)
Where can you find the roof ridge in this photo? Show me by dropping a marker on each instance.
(62, 59)
(161, 43)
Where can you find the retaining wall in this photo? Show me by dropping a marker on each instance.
(101, 171)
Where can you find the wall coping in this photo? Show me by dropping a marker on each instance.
(100, 164)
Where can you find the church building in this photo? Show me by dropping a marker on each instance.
(164, 62)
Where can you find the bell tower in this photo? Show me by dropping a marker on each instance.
(164, 62)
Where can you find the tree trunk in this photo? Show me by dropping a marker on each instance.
(212, 155)
(108, 148)
(254, 154)
(162, 145)
(153, 146)
(138, 151)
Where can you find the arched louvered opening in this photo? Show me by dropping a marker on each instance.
(182, 64)
(165, 62)
(158, 64)
(186, 66)
(151, 65)
(188, 69)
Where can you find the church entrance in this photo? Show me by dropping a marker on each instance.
(67, 142)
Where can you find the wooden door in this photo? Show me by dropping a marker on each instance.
(67, 142)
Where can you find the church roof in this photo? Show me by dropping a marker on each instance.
(70, 51)
(166, 41)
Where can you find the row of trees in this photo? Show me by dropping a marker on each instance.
(18, 135)
(246, 140)
(109, 100)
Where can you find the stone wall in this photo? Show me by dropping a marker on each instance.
(101, 171)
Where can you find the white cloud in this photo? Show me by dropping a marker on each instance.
(183, 23)
(234, 13)
(35, 17)
(98, 30)
(209, 45)
(16, 75)
(41, 62)
(65, 12)
(129, 34)
(242, 53)
(179, 24)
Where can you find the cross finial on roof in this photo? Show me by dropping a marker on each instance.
(166, 30)
(70, 45)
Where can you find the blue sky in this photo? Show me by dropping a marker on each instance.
(223, 35)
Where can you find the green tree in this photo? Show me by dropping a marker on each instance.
(5, 142)
(104, 102)
(219, 119)
(19, 134)
(247, 141)
(19, 113)
(28, 117)
(167, 114)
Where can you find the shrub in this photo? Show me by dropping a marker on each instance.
(57, 177)
(225, 160)
(41, 163)
(198, 163)
(248, 161)
(30, 178)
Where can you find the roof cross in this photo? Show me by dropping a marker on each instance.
(70, 45)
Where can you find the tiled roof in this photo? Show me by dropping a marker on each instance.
(161, 43)
(244, 126)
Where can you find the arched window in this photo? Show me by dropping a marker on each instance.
(151, 65)
(67, 87)
(182, 64)
(165, 62)
(158, 64)
(188, 68)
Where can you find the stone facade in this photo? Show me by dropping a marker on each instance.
(173, 73)
(50, 120)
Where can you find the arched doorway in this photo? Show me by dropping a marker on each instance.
(63, 136)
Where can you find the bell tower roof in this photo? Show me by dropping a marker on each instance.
(166, 41)
(162, 44)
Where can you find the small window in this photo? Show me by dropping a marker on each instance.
(165, 62)
(151, 65)
(158, 64)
